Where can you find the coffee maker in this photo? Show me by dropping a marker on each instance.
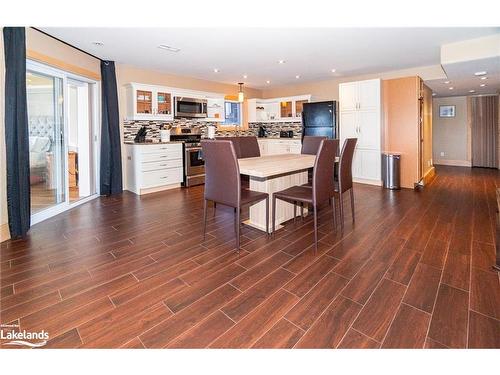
(262, 132)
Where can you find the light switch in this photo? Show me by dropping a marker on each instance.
(442, 153)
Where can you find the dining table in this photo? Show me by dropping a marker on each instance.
(272, 173)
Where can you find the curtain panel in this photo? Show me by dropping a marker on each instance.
(16, 132)
(111, 160)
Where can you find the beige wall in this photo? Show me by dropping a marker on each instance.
(451, 135)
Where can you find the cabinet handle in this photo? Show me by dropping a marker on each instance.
(163, 165)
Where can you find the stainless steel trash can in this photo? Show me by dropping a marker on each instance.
(391, 164)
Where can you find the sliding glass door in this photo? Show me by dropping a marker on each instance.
(63, 139)
(46, 140)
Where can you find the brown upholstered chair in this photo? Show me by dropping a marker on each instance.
(223, 185)
(344, 182)
(322, 188)
(249, 147)
(245, 147)
(310, 144)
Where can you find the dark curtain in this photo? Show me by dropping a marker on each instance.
(483, 114)
(16, 132)
(111, 160)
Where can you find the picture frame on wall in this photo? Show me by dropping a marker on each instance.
(446, 111)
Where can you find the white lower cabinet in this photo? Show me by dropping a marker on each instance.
(279, 146)
(154, 167)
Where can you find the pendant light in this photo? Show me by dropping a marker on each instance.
(241, 95)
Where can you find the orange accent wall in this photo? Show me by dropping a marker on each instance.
(401, 108)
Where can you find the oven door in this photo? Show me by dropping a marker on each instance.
(195, 165)
(190, 107)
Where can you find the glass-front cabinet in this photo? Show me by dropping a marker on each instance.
(145, 102)
(277, 109)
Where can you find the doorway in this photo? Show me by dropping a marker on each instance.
(62, 118)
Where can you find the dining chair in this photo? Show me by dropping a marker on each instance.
(310, 144)
(223, 184)
(245, 147)
(344, 182)
(322, 185)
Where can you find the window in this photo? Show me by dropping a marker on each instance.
(232, 113)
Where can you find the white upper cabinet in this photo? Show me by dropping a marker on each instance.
(277, 109)
(151, 102)
(148, 102)
(349, 96)
(360, 117)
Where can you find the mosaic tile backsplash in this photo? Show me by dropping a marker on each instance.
(130, 128)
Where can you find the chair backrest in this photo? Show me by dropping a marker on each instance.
(236, 144)
(345, 166)
(310, 144)
(222, 173)
(323, 170)
(249, 147)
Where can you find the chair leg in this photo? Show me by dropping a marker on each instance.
(294, 211)
(274, 215)
(334, 212)
(267, 215)
(235, 222)
(302, 211)
(341, 211)
(352, 203)
(215, 207)
(204, 218)
(315, 229)
(238, 229)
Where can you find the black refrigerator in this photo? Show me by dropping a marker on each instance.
(320, 119)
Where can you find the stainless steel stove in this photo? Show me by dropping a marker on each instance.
(194, 165)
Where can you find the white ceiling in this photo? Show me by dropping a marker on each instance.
(462, 78)
(310, 53)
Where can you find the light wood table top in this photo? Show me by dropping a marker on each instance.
(272, 165)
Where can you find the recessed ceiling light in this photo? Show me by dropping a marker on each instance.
(281, 61)
(482, 84)
(482, 73)
(450, 88)
(472, 90)
(168, 48)
(483, 78)
(98, 44)
(446, 82)
(268, 82)
(245, 76)
(433, 94)
(216, 70)
(333, 70)
(297, 76)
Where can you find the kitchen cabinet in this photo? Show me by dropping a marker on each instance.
(154, 167)
(276, 109)
(270, 146)
(148, 102)
(360, 117)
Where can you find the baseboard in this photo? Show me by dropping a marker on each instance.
(367, 181)
(4, 232)
(454, 163)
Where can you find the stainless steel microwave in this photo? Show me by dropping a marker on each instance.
(190, 107)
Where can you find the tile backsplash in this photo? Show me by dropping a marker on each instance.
(130, 128)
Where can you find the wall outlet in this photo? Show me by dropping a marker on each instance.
(442, 153)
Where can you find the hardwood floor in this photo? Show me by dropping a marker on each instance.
(414, 271)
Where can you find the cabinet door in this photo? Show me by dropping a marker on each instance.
(348, 126)
(144, 103)
(163, 104)
(370, 164)
(262, 148)
(369, 95)
(348, 96)
(251, 110)
(286, 110)
(299, 107)
(369, 130)
(356, 164)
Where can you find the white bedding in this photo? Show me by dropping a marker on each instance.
(39, 146)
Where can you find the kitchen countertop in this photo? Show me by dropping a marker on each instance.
(278, 138)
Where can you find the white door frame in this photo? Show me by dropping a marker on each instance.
(94, 89)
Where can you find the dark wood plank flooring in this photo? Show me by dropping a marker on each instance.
(414, 271)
